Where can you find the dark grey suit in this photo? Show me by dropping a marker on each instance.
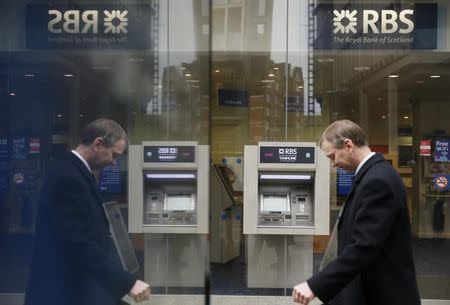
(374, 263)
(73, 261)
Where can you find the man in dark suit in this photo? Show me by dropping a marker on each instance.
(72, 259)
(373, 263)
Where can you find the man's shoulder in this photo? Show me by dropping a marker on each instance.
(64, 165)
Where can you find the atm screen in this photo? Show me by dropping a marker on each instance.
(275, 203)
(179, 202)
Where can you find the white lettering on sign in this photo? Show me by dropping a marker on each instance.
(115, 21)
(287, 151)
(390, 20)
(441, 146)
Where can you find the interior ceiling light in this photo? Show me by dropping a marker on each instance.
(267, 81)
(100, 68)
(12, 94)
(271, 75)
(69, 75)
(393, 76)
(361, 68)
(406, 117)
(276, 68)
(383, 116)
(135, 59)
(435, 76)
(188, 75)
(28, 75)
(300, 87)
(217, 70)
(324, 60)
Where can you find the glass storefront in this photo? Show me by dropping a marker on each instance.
(226, 74)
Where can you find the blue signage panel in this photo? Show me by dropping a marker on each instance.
(441, 150)
(110, 181)
(19, 149)
(237, 98)
(91, 26)
(344, 182)
(295, 104)
(376, 26)
(4, 168)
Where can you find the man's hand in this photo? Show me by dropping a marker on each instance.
(302, 294)
(140, 291)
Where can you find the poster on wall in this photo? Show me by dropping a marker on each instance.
(19, 151)
(344, 182)
(376, 26)
(425, 148)
(110, 180)
(441, 150)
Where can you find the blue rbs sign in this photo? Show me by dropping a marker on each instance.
(376, 26)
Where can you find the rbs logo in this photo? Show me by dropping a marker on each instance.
(73, 21)
(287, 151)
(391, 21)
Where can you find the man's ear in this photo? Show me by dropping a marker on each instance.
(98, 142)
(348, 144)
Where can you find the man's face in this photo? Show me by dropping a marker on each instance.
(107, 155)
(340, 157)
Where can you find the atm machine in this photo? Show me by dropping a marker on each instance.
(168, 196)
(286, 202)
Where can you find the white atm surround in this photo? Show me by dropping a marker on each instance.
(321, 170)
(136, 168)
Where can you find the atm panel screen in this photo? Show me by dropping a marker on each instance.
(177, 202)
(275, 203)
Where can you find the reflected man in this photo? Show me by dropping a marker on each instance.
(72, 259)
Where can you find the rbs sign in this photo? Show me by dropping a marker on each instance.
(73, 21)
(376, 26)
(89, 26)
(389, 21)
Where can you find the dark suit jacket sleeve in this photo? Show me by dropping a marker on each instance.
(377, 212)
(81, 237)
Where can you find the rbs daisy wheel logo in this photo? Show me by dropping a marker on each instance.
(121, 27)
(339, 16)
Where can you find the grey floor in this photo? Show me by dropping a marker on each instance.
(431, 256)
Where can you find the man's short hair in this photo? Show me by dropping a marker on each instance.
(107, 129)
(337, 132)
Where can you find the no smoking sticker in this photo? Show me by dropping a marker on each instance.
(441, 182)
